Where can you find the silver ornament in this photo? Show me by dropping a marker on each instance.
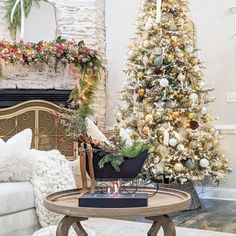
(170, 104)
(158, 61)
(172, 27)
(189, 164)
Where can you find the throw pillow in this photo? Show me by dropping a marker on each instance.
(15, 165)
(22, 139)
(16, 162)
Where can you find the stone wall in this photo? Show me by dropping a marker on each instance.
(76, 20)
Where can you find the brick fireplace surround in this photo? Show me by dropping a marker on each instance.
(76, 20)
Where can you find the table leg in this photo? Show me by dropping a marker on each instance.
(68, 221)
(162, 221)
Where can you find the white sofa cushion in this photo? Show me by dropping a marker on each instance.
(16, 197)
(23, 223)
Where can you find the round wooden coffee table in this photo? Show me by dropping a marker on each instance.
(166, 201)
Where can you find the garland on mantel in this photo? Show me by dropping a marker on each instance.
(55, 52)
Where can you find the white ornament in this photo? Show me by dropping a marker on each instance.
(164, 83)
(180, 147)
(181, 77)
(145, 60)
(173, 142)
(189, 49)
(119, 117)
(204, 110)
(149, 25)
(166, 137)
(193, 97)
(125, 136)
(204, 163)
(202, 84)
(158, 169)
(178, 167)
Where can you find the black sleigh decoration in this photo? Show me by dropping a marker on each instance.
(89, 163)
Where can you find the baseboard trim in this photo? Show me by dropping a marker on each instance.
(216, 193)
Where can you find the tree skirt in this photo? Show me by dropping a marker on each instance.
(105, 227)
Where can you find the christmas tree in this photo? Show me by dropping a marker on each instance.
(165, 98)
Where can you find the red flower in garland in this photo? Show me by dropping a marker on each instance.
(60, 48)
(40, 48)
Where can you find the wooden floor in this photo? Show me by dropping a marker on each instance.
(215, 215)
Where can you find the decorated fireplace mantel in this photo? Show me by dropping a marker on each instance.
(76, 20)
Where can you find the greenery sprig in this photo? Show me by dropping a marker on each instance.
(117, 154)
(16, 23)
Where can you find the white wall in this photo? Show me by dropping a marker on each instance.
(214, 31)
(40, 24)
(120, 19)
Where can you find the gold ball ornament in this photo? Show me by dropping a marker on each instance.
(216, 142)
(140, 74)
(152, 149)
(146, 130)
(175, 114)
(212, 130)
(133, 46)
(141, 92)
(193, 144)
(178, 167)
(149, 118)
(191, 116)
(174, 38)
(163, 150)
(194, 61)
(141, 116)
(146, 44)
(170, 57)
(148, 106)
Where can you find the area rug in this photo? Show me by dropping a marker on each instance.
(105, 227)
